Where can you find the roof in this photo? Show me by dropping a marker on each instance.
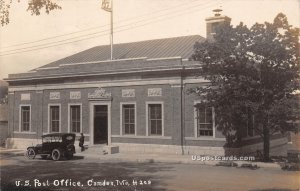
(158, 48)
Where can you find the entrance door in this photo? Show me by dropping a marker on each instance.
(100, 124)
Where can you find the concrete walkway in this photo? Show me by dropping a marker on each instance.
(153, 158)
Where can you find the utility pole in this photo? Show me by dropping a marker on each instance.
(111, 31)
(107, 5)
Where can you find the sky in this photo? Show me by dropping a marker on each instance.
(29, 42)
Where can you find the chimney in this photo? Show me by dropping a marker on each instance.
(213, 22)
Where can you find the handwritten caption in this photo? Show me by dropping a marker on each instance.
(37, 183)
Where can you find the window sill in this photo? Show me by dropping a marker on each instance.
(141, 137)
(25, 132)
(204, 139)
(45, 133)
(128, 135)
(79, 134)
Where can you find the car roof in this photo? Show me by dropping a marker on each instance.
(57, 134)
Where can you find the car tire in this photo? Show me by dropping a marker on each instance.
(56, 154)
(30, 153)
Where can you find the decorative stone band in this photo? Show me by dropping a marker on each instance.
(101, 94)
(75, 95)
(128, 93)
(25, 96)
(154, 92)
(54, 95)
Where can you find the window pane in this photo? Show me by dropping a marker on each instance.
(126, 128)
(209, 115)
(159, 127)
(155, 119)
(54, 118)
(75, 118)
(202, 117)
(25, 118)
(131, 129)
(158, 111)
(205, 123)
(128, 118)
(153, 127)
(152, 112)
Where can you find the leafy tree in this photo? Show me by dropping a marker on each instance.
(253, 71)
(34, 6)
(3, 92)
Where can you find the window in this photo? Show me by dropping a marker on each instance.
(54, 118)
(128, 118)
(155, 119)
(204, 121)
(25, 118)
(75, 118)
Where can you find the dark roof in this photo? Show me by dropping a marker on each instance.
(158, 48)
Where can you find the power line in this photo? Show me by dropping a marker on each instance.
(117, 31)
(170, 16)
(45, 44)
(133, 23)
(88, 29)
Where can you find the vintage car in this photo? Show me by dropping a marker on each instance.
(54, 145)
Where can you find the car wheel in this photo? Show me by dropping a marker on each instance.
(30, 153)
(56, 154)
(69, 156)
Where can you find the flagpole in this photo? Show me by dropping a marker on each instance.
(111, 31)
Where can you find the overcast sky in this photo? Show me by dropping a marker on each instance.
(29, 41)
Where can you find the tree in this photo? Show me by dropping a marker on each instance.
(34, 6)
(3, 92)
(253, 71)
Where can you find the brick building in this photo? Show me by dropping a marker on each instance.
(138, 101)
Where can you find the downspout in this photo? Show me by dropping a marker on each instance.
(42, 117)
(13, 115)
(42, 112)
(182, 102)
(10, 124)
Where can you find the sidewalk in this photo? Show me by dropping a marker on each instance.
(152, 158)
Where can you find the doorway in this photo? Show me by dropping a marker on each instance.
(100, 124)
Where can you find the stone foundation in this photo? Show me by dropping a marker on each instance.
(253, 148)
(19, 143)
(259, 146)
(168, 149)
(111, 149)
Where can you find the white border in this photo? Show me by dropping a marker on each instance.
(54, 104)
(121, 118)
(20, 119)
(195, 124)
(163, 118)
(92, 104)
(69, 119)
